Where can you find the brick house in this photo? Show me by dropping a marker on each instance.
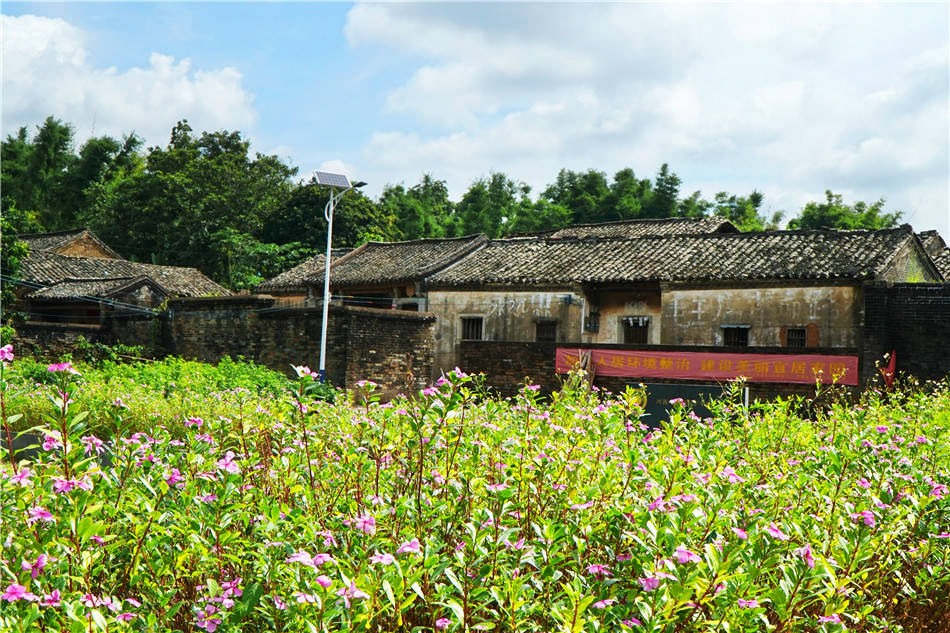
(58, 285)
(771, 289)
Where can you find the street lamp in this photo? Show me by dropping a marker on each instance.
(334, 182)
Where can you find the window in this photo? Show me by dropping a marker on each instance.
(634, 329)
(545, 331)
(795, 337)
(472, 328)
(735, 335)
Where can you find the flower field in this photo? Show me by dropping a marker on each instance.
(215, 508)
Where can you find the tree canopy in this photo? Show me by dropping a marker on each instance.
(205, 200)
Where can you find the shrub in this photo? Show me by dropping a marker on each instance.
(452, 511)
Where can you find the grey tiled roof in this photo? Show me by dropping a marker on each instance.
(384, 263)
(296, 277)
(720, 256)
(81, 288)
(643, 228)
(932, 242)
(47, 268)
(942, 262)
(60, 239)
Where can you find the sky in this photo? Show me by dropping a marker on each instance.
(788, 99)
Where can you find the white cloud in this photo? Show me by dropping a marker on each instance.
(788, 99)
(46, 72)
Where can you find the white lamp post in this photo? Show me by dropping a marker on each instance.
(334, 182)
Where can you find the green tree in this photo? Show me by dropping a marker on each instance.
(744, 212)
(582, 193)
(490, 205)
(171, 211)
(356, 219)
(834, 213)
(12, 253)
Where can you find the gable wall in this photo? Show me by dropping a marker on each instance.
(908, 267)
(84, 247)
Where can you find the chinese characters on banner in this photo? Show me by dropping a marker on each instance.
(787, 368)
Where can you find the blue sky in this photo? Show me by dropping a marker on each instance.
(788, 99)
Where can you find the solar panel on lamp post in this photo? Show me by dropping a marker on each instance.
(334, 182)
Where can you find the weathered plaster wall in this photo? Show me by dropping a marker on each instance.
(509, 315)
(616, 304)
(693, 316)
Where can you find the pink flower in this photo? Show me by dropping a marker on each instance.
(365, 523)
(382, 559)
(304, 598)
(22, 478)
(649, 583)
(67, 367)
(658, 503)
(324, 581)
(92, 443)
(748, 604)
(806, 554)
(195, 422)
(228, 464)
(6, 353)
(834, 617)
(208, 498)
(598, 570)
(517, 545)
(866, 515)
(775, 532)
(582, 506)
(36, 568)
(279, 603)
(881, 428)
(631, 622)
(731, 475)
(125, 617)
(173, 477)
(683, 555)
(369, 385)
(351, 593)
(39, 513)
(496, 487)
(938, 491)
(305, 372)
(442, 623)
(16, 592)
(740, 533)
(410, 547)
(603, 604)
(51, 599)
(51, 443)
(864, 483)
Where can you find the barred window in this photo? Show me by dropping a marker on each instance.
(795, 337)
(635, 330)
(735, 335)
(472, 328)
(545, 331)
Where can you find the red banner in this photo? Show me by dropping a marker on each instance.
(788, 368)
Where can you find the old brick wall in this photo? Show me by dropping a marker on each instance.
(51, 340)
(507, 365)
(390, 347)
(913, 320)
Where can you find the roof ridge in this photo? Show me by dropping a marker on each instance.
(52, 233)
(427, 239)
